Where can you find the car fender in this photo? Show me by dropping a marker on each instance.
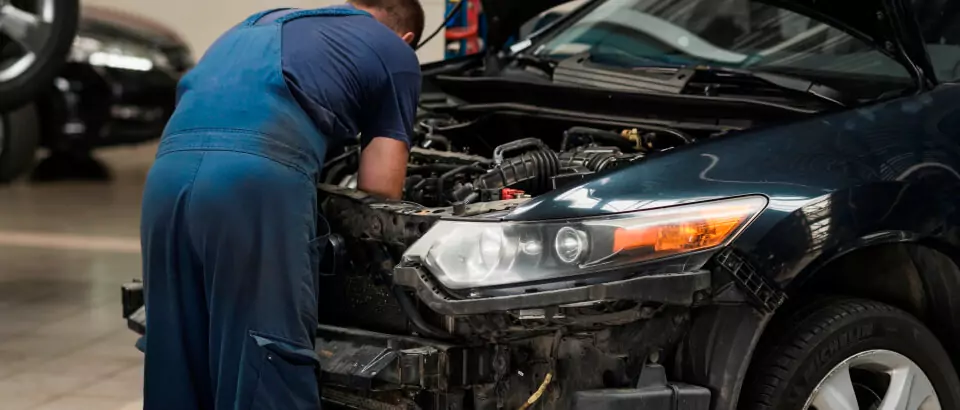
(802, 241)
(917, 215)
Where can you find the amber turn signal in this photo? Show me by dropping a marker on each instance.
(705, 228)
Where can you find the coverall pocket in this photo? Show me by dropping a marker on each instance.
(288, 376)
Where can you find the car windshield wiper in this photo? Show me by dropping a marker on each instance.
(544, 64)
(781, 81)
(723, 75)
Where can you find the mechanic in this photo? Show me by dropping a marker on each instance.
(229, 226)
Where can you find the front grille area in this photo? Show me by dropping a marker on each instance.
(356, 300)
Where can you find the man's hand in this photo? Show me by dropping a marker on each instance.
(383, 168)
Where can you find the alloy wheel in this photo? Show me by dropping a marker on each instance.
(875, 380)
(25, 29)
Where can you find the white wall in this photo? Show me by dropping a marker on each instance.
(200, 22)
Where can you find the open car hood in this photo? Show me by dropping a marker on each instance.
(504, 17)
(888, 24)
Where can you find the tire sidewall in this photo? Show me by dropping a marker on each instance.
(893, 332)
(50, 60)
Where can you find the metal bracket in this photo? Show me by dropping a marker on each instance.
(765, 296)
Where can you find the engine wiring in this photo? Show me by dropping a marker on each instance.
(554, 352)
(536, 395)
(442, 171)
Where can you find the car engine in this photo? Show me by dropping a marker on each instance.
(452, 172)
(472, 170)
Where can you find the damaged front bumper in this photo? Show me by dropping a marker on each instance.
(589, 363)
(369, 370)
(678, 289)
(390, 337)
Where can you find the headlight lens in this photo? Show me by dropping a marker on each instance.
(116, 54)
(468, 254)
(571, 245)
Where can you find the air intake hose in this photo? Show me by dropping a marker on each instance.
(595, 159)
(534, 169)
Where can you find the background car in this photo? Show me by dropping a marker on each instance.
(34, 38)
(117, 87)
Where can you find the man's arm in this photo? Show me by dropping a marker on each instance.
(387, 126)
(383, 167)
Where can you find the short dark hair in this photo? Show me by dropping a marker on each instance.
(402, 16)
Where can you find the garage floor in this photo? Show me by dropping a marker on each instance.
(65, 248)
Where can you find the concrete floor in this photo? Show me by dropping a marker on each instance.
(65, 249)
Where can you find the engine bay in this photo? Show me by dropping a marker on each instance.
(481, 167)
(496, 352)
(455, 163)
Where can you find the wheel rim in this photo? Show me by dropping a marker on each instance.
(29, 28)
(858, 382)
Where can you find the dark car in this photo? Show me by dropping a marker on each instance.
(661, 204)
(117, 87)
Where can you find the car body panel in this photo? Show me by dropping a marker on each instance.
(91, 106)
(888, 24)
(886, 172)
(107, 21)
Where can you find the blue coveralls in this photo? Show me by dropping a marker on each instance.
(229, 234)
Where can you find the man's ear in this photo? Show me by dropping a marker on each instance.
(408, 38)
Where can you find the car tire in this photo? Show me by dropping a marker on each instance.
(19, 140)
(839, 348)
(25, 86)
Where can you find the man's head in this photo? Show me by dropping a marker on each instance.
(405, 17)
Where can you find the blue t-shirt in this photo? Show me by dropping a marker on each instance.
(351, 74)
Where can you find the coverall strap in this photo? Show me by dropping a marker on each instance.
(253, 19)
(326, 11)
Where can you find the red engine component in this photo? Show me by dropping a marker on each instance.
(511, 193)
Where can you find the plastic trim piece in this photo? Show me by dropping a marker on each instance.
(677, 289)
(364, 360)
(652, 392)
(763, 294)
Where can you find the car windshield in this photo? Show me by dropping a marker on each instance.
(729, 33)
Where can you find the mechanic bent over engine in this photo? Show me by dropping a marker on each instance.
(229, 223)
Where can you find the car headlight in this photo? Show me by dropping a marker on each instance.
(117, 54)
(477, 254)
